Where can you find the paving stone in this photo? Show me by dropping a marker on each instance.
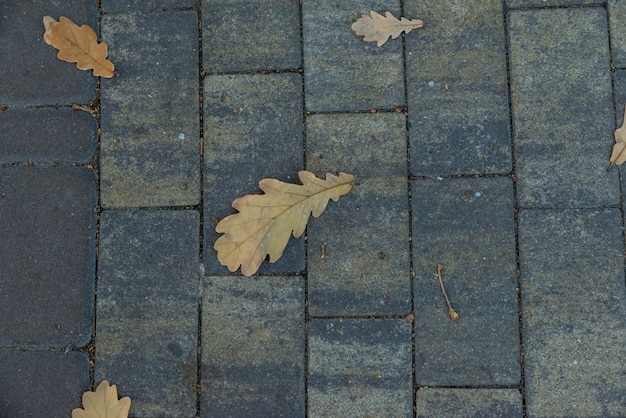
(31, 73)
(239, 35)
(562, 109)
(360, 367)
(48, 260)
(253, 347)
(252, 130)
(366, 265)
(467, 226)
(620, 95)
(550, 3)
(42, 383)
(574, 312)
(617, 15)
(143, 5)
(47, 135)
(444, 402)
(341, 71)
(457, 88)
(150, 138)
(148, 289)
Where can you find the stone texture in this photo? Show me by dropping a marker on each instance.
(252, 130)
(617, 15)
(457, 88)
(341, 71)
(366, 267)
(150, 139)
(467, 226)
(444, 402)
(47, 257)
(574, 316)
(562, 109)
(253, 347)
(239, 35)
(31, 72)
(42, 383)
(360, 365)
(47, 135)
(143, 5)
(148, 288)
(550, 3)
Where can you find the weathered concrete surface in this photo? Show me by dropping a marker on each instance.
(448, 402)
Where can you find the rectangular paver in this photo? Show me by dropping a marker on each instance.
(467, 226)
(143, 5)
(574, 313)
(148, 289)
(562, 109)
(365, 269)
(617, 15)
(252, 130)
(150, 134)
(449, 402)
(457, 88)
(360, 367)
(253, 347)
(550, 3)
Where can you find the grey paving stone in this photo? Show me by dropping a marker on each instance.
(550, 3)
(617, 15)
(366, 266)
(574, 312)
(562, 109)
(341, 71)
(46, 135)
(620, 95)
(143, 5)
(31, 73)
(360, 368)
(148, 289)
(239, 35)
(466, 403)
(47, 256)
(150, 140)
(457, 88)
(253, 347)
(252, 130)
(467, 226)
(42, 383)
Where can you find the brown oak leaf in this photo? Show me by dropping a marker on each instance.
(618, 156)
(103, 403)
(378, 28)
(265, 222)
(78, 44)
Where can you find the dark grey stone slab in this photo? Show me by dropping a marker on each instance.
(549, 3)
(150, 140)
(360, 367)
(42, 383)
(620, 95)
(148, 288)
(47, 231)
(143, 5)
(457, 88)
(467, 226)
(365, 269)
(574, 312)
(617, 16)
(252, 130)
(31, 72)
(46, 135)
(444, 402)
(562, 109)
(253, 347)
(239, 35)
(341, 71)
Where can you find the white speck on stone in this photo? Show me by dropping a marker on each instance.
(575, 361)
(431, 83)
(439, 178)
(181, 136)
(477, 194)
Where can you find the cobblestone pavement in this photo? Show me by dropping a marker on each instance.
(479, 142)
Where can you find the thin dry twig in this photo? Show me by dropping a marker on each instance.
(453, 314)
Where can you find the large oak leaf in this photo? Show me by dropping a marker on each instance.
(378, 28)
(103, 403)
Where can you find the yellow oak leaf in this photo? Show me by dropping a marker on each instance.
(378, 28)
(78, 44)
(618, 156)
(265, 222)
(103, 403)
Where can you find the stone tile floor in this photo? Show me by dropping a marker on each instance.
(479, 142)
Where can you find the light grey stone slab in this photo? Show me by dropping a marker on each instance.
(617, 16)
(448, 402)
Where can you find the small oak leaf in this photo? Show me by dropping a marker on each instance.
(618, 156)
(378, 28)
(103, 403)
(265, 222)
(78, 44)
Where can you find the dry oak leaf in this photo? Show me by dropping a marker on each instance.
(103, 403)
(618, 156)
(378, 28)
(78, 44)
(265, 222)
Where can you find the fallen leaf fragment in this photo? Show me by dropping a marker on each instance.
(265, 222)
(103, 403)
(78, 44)
(378, 28)
(618, 156)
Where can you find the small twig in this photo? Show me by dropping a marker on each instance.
(453, 315)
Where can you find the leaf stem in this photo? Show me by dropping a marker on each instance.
(453, 314)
